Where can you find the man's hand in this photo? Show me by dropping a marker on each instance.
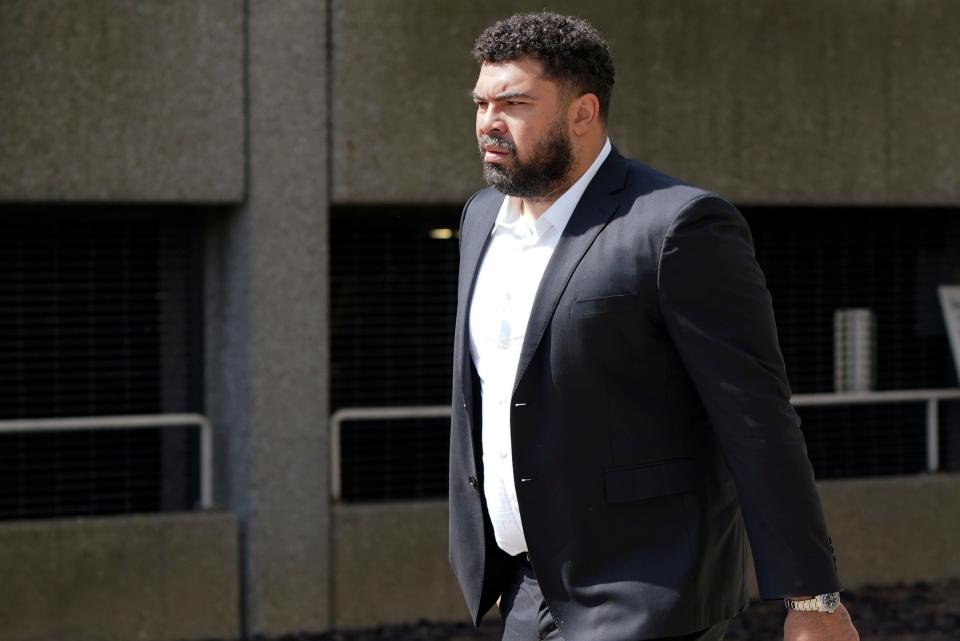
(819, 626)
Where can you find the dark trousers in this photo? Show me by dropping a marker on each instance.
(526, 616)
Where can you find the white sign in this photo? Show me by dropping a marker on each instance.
(950, 303)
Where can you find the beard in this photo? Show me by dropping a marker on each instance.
(536, 178)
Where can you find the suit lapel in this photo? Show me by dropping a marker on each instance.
(592, 213)
(475, 236)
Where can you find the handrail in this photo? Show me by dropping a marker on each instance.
(885, 396)
(931, 396)
(136, 421)
(366, 414)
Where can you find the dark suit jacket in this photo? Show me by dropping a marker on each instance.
(650, 418)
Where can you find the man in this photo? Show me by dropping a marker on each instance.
(621, 411)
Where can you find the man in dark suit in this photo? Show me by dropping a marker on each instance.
(621, 414)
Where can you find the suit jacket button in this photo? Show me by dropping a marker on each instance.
(472, 480)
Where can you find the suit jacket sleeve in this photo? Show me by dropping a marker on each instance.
(718, 312)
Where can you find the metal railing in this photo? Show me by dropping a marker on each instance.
(932, 397)
(137, 421)
(370, 414)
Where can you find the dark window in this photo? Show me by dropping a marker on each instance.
(393, 306)
(99, 315)
(891, 262)
(393, 302)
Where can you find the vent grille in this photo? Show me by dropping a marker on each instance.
(393, 308)
(99, 315)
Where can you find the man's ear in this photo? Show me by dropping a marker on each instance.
(585, 112)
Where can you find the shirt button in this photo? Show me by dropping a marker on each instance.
(503, 455)
(472, 480)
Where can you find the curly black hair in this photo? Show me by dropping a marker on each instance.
(570, 50)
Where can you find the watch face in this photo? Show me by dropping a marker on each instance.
(831, 601)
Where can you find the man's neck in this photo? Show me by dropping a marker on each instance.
(536, 208)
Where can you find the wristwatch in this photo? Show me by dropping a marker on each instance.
(821, 603)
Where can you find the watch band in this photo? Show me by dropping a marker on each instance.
(828, 602)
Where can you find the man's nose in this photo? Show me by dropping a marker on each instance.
(490, 121)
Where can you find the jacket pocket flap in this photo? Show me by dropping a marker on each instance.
(651, 480)
(603, 305)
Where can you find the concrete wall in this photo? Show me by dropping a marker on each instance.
(391, 565)
(288, 537)
(122, 101)
(163, 578)
(189, 102)
(764, 100)
(273, 109)
(266, 331)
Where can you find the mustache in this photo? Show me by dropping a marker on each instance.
(487, 140)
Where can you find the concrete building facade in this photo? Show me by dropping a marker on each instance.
(254, 118)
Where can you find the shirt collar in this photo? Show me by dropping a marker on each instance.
(559, 213)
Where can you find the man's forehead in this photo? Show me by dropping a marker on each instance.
(523, 75)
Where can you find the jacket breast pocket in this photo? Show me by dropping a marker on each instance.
(587, 307)
(636, 483)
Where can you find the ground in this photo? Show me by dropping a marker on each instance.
(918, 612)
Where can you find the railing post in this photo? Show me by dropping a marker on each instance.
(933, 434)
(206, 463)
(335, 482)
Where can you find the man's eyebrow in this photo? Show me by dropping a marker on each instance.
(508, 95)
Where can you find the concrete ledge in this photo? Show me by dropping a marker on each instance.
(150, 578)
(121, 101)
(768, 102)
(390, 565)
(889, 530)
(390, 560)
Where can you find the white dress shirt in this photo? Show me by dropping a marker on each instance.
(503, 296)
